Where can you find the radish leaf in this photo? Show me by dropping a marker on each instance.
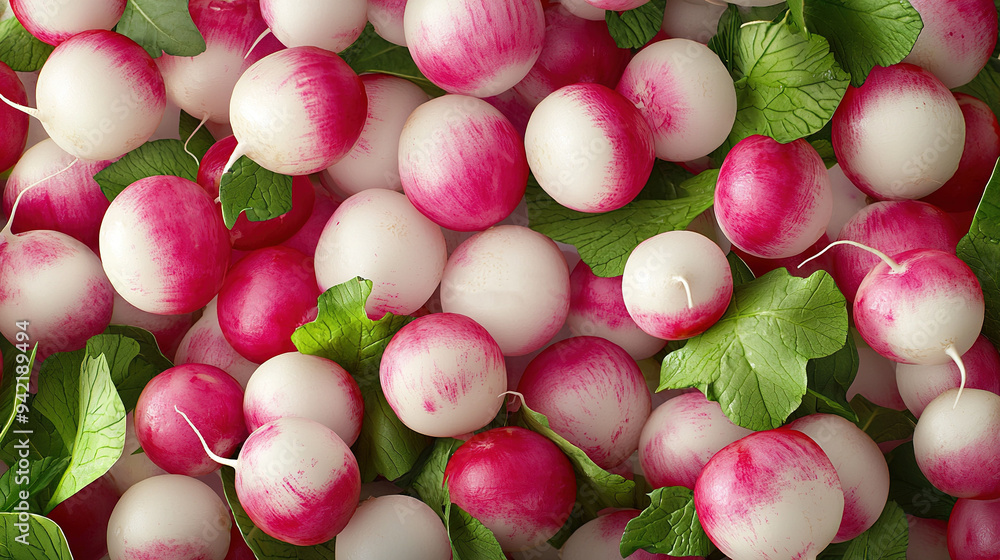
(632, 29)
(880, 423)
(12, 389)
(909, 488)
(39, 475)
(887, 539)
(250, 188)
(43, 539)
(739, 270)
(133, 358)
(669, 525)
(21, 50)
(371, 53)
(470, 539)
(161, 26)
(159, 157)
(980, 249)
(829, 378)
(428, 480)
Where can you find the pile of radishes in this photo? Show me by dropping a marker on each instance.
(511, 390)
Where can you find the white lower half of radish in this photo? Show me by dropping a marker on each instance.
(927, 539)
(696, 20)
(847, 200)
(973, 528)
(386, 16)
(599, 539)
(394, 527)
(584, 9)
(919, 385)
(332, 26)
(204, 343)
(876, 378)
(54, 22)
(957, 38)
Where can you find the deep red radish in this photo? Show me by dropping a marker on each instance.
(617, 5)
(599, 539)
(919, 385)
(297, 111)
(686, 95)
(593, 394)
(54, 22)
(84, 517)
(474, 47)
(332, 26)
(307, 237)
(773, 200)
(891, 227)
(589, 148)
(900, 135)
(575, 50)
(378, 235)
(443, 375)
(238, 547)
(386, 16)
(772, 494)
(974, 530)
(680, 437)
(847, 201)
(516, 482)
(167, 329)
(956, 447)
(512, 281)
(696, 20)
(13, 123)
(265, 297)
(957, 38)
(132, 468)
(373, 162)
(206, 393)
(204, 343)
(312, 387)
(164, 246)
(69, 201)
(876, 378)
(394, 527)
(584, 9)
(462, 163)
(927, 539)
(169, 517)
(597, 308)
(964, 190)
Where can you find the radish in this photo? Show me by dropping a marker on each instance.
(84, 517)
(462, 163)
(169, 517)
(685, 93)
(760, 266)
(597, 308)
(900, 135)
(204, 343)
(516, 482)
(957, 38)
(394, 527)
(927, 539)
(443, 375)
(919, 385)
(164, 245)
(753, 3)
(512, 281)
(876, 377)
(514, 106)
(847, 201)
(54, 22)
(599, 539)
(974, 529)
(297, 111)
(13, 123)
(378, 235)
(956, 448)
(373, 162)
(680, 437)
(617, 5)
(584, 9)
(593, 394)
(474, 47)
(773, 200)
(696, 20)
(329, 25)
(386, 16)
(677, 284)
(772, 494)
(307, 237)
(132, 468)
(238, 547)
(294, 384)
(167, 329)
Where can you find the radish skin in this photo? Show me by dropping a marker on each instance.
(386, 16)
(332, 26)
(599, 539)
(13, 123)
(957, 38)
(696, 20)
(54, 22)
(973, 529)
(919, 385)
(84, 518)
(394, 527)
(204, 343)
(927, 539)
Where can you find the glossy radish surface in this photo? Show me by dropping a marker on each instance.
(13, 123)
(974, 529)
(394, 527)
(927, 539)
(54, 22)
(584, 9)
(919, 385)
(957, 39)
(332, 26)
(307, 237)
(204, 343)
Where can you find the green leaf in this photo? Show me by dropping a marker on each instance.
(880, 423)
(342, 332)
(825, 150)
(753, 361)
(887, 539)
(909, 488)
(38, 477)
(665, 182)
(470, 539)
(45, 440)
(161, 26)
(726, 39)
(371, 53)
(159, 157)
(828, 380)
(669, 525)
(133, 357)
(42, 539)
(19, 49)
(740, 271)
(862, 33)
(980, 249)
(200, 141)
(986, 85)
(632, 29)
(250, 188)
(606, 240)
(14, 385)
(428, 482)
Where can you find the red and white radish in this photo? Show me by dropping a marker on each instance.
(974, 529)
(876, 377)
(584, 9)
(919, 385)
(927, 539)
(599, 539)
(204, 343)
(332, 26)
(956, 40)
(386, 16)
(307, 237)
(84, 518)
(13, 122)
(54, 22)
(847, 201)
(394, 527)
(696, 20)
(617, 5)
(132, 468)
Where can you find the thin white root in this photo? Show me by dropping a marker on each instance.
(258, 40)
(213, 456)
(885, 258)
(188, 141)
(687, 289)
(237, 154)
(13, 211)
(28, 110)
(955, 357)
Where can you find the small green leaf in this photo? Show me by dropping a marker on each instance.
(200, 141)
(740, 271)
(250, 188)
(828, 380)
(470, 539)
(161, 26)
(909, 488)
(42, 539)
(159, 157)
(980, 249)
(753, 361)
(428, 482)
(134, 358)
(606, 240)
(371, 53)
(669, 525)
(40, 474)
(19, 49)
(887, 539)
(632, 29)
(986, 85)
(880, 423)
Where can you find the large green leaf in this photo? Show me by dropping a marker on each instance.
(161, 26)
(828, 380)
(470, 539)
(37, 538)
(632, 29)
(19, 49)
(371, 53)
(887, 539)
(669, 525)
(133, 358)
(159, 157)
(980, 249)
(20, 488)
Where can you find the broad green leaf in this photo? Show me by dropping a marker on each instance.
(753, 361)
(980, 249)
(887, 539)
(909, 488)
(200, 141)
(32, 483)
(428, 482)
(470, 539)
(862, 33)
(740, 271)
(828, 380)
(665, 182)
(669, 525)
(342, 332)
(606, 240)
(40, 539)
(250, 188)
(632, 29)
(880, 423)
(159, 157)
(986, 85)
(17, 366)
(834, 551)
(133, 357)
(19, 49)
(161, 26)
(371, 53)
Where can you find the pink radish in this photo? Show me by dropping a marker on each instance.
(599, 539)
(167, 329)
(680, 437)
(876, 378)
(773, 200)
(847, 201)
(494, 277)
(584, 9)
(13, 123)
(297, 111)
(386, 16)
(394, 527)
(900, 135)
(956, 447)
(589, 148)
(928, 539)
(307, 237)
(462, 163)
(957, 38)
(696, 20)
(772, 494)
(332, 26)
(169, 517)
(84, 518)
(164, 246)
(974, 529)
(443, 375)
(474, 47)
(593, 394)
(204, 343)
(617, 5)
(516, 482)
(685, 93)
(54, 22)
(514, 106)
(919, 385)
(312, 387)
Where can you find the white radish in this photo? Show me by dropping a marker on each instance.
(394, 527)
(386, 16)
(600, 539)
(204, 343)
(328, 24)
(584, 9)
(919, 385)
(847, 200)
(956, 40)
(697, 20)
(54, 22)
